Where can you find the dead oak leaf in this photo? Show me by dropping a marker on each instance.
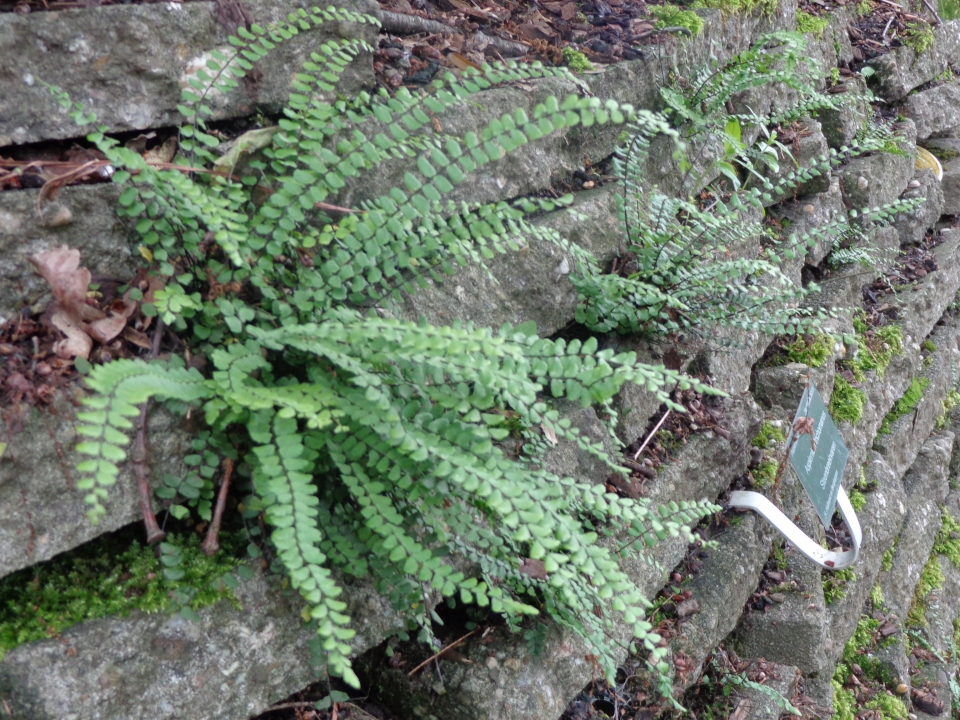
(68, 281)
(77, 343)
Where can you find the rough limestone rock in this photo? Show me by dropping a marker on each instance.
(925, 486)
(951, 186)
(504, 682)
(841, 125)
(881, 177)
(530, 284)
(901, 70)
(724, 584)
(229, 665)
(936, 112)
(42, 513)
(912, 226)
(127, 64)
(83, 217)
(782, 679)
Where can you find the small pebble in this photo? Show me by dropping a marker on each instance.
(588, 184)
(902, 689)
(778, 597)
(913, 184)
(492, 662)
(863, 183)
(511, 664)
(808, 208)
(57, 217)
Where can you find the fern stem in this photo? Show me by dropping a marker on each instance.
(141, 471)
(211, 545)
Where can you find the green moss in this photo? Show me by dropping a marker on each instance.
(919, 36)
(948, 539)
(844, 701)
(835, 584)
(857, 499)
(889, 706)
(948, 403)
(729, 7)
(768, 432)
(886, 562)
(846, 402)
(104, 580)
(813, 354)
(764, 474)
(930, 577)
(876, 348)
(943, 154)
(864, 7)
(780, 557)
(673, 16)
(929, 346)
(876, 597)
(907, 404)
(807, 23)
(576, 60)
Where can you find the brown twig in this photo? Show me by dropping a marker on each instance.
(437, 655)
(210, 545)
(652, 433)
(140, 469)
(404, 24)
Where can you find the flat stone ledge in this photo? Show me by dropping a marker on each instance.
(85, 219)
(230, 665)
(127, 63)
(900, 71)
(936, 111)
(42, 513)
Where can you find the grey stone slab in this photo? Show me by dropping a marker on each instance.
(901, 70)
(880, 178)
(87, 221)
(925, 486)
(782, 679)
(512, 684)
(531, 284)
(42, 513)
(951, 187)
(912, 226)
(127, 64)
(936, 112)
(231, 664)
(721, 588)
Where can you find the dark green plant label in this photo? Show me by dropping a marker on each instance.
(818, 455)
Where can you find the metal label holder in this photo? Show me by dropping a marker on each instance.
(748, 500)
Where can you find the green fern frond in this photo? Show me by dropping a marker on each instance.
(120, 387)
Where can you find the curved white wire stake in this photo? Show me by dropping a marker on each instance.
(799, 539)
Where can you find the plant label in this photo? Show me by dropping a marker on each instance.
(818, 454)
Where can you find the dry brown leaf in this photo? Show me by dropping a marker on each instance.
(165, 153)
(68, 281)
(549, 434)
(105, 330)
(77, 343)
(534, 568)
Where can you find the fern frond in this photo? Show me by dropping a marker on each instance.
(120, 387)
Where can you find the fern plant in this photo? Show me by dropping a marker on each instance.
(692, 266)
(373, 444)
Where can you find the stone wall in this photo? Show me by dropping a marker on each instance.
(126, 63)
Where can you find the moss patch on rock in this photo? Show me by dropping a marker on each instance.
(107, 578)
(673, 16)
(930, 577)
(846, 402)
(906, 404)
(807, 23)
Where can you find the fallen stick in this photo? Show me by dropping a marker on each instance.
(403, 24)
(211, 545)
